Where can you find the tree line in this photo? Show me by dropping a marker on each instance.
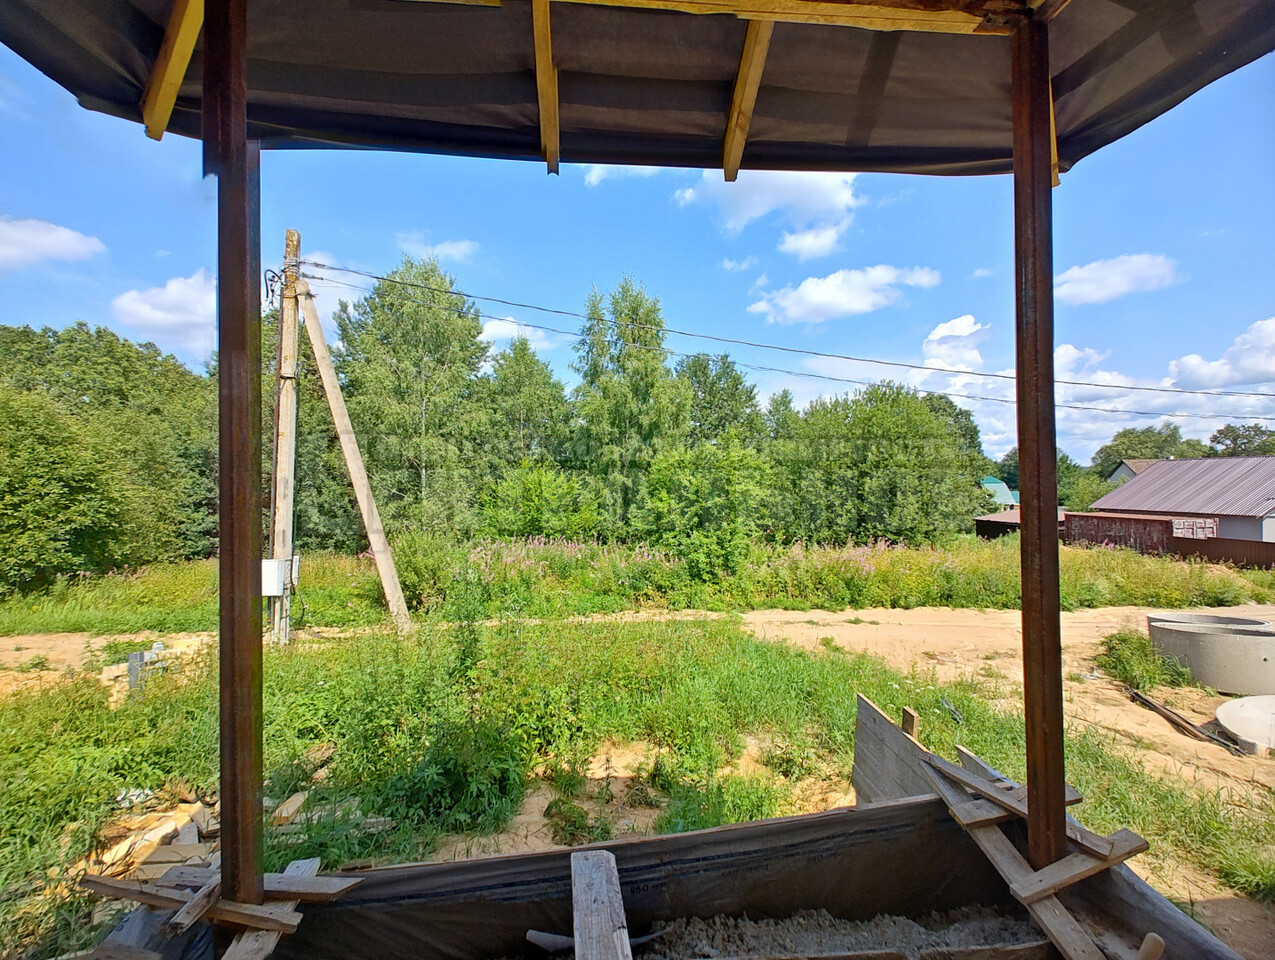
(108, 449)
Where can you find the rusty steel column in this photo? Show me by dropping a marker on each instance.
(1037, 444)
(236, 163)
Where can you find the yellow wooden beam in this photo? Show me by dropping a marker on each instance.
(166, 77)
(546, 83)
(752, 61)
(931, 16)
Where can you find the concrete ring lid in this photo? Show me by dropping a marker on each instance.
(1209, 619)
(1250, 718)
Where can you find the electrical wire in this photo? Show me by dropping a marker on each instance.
(478, 314)
(785, 349)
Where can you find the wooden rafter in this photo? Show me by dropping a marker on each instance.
(546, 83)
(752, 61)
(184, 24)
(933, 16)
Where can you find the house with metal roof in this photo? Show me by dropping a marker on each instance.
(1239, 492)
(1004, 498)
(1130, 467)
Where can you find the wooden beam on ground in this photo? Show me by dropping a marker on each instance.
(546, 83)
(601, 931)
(259, 944)
(1037, 444)
(1076, 866)
(278, 917)
(279, 886)
(752, 61)
(354, 461)
(236, 161)
(283, 486)
(169, 70)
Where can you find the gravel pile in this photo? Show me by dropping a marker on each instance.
(817, 931)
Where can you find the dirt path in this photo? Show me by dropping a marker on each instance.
(955, 643)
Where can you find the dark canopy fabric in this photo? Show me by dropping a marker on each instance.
(653, 87)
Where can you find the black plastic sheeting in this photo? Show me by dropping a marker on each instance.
(653, 87)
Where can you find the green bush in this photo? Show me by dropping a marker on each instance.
(534, 500)
(1131, 658)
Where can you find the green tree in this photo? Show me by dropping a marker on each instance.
(530, 415)
(1084, 489)
(629, 405)
(539, 500)
(409, 357)
(722, 399)
(964, 430)
(1007, 468)
(701, 504)
(1152, 443)
(1242, 440)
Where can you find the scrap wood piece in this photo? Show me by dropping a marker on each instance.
(1076, 866)
(1064, 930)
(196, 906)
(601, 931)
(287, 811)
(305, 888)
(1086, 839)
(1182, 723)
(276, 917)
(259, 944)
(138, 846)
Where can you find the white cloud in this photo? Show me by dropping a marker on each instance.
(841, 294)
(24, 242)
(501, 331)
(954, 344)
(412, 242)
(735, 266)
(1249, 359)
(815, 242)
(181, 315)
(803, 199)
(595, 173)
(761, 283)
(1105, 280)
(980, 273)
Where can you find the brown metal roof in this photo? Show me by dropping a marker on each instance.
(639, 84)
(1223, 486)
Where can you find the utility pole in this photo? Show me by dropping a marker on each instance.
(285, 437)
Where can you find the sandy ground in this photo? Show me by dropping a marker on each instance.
(953, 643)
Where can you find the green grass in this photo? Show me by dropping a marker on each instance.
(1129, 657)
(441, 730)
(548, 579)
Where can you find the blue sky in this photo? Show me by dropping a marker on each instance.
(1164, 244)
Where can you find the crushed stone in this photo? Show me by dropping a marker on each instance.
(817, 931)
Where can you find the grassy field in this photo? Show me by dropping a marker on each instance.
(539, 579)
(445, 730)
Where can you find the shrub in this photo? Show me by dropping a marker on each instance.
(532, 500)
(1130, 657)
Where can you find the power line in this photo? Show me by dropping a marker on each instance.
(786, 349)
(757, 367)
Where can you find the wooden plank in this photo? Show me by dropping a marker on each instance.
(283, 477)
(354, 461)
(1077, 866)
(971, 761)
(1017, 803)
(911, 724)
(279, 886)
(752, 61)
(546, 83)
(197, 905)
(1063, 930)
(601, 932)
(885, 757)
(169, 70)
(1037, 442)
(275, 917)
(259, 944)
(930, 16)
(236, 162)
